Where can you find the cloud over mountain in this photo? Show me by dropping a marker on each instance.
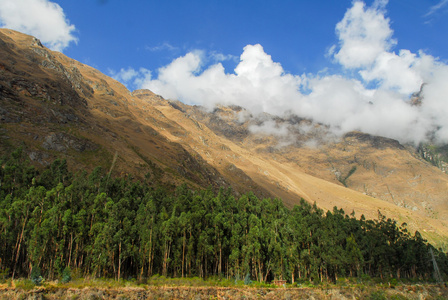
(41, 18)
(374, 98)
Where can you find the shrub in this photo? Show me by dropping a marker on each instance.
(24, 284)
(247, 280)
(393, 282)
(35, 275)
(237, 278)
(4, 275)
(66, 275)
(364, 278)
(378, 295)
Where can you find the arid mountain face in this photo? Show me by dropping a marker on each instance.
(55, 107)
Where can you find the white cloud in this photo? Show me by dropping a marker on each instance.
(364, 33)
(161, 47)
(40, 18)
(435, 107)
(255, 83)
(395, 71)
(270, 127)
(124, 75)
(366, 45)
(433, 9)
(344, 103)
(130, 77)
(216, 56)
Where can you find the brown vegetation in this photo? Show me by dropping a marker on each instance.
(230, 293)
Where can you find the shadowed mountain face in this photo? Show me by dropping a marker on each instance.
(54, 106)
(58, 107)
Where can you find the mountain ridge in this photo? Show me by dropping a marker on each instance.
(58, 107)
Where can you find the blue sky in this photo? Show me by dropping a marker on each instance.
(152, 33)
(115, 34)
(324, 60)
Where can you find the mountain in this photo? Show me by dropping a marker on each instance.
(56, 107)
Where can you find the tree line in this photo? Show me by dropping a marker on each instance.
(103, 226)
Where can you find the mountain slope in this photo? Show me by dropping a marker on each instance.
(55, 106)
(59, 107)
(388, 176)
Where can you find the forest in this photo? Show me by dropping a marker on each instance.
(117, 227)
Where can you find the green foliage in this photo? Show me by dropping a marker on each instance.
(24, 284)
(393, 282)
(99, 226)
(377, 295)
(434, 154)
(247, 280)
(343, 180)
(36, 276)
(66, 275)
(4, 275)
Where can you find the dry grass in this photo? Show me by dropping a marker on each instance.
(194, 289)
(389, 179)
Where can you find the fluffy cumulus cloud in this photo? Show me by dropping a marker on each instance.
(255, 83)
(366, 47)
(364, 33)
(41, 18)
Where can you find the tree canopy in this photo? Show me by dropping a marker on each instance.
(53, 220)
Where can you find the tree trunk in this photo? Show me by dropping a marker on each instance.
(220, 260)
(267, 271)
(183, 253)
(119, 260)
(19, 243)
(71, 248)
(165, 259)
(150, 254)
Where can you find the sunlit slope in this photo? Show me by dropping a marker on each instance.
(57, 107)
(309, 173)
(60, 108)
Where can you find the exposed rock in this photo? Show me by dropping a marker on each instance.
(377, 142)
(62, 142)
(417, 97)
(6, 117)
(39, 157)
(103, 88)
(36, 42)
(435, 155)
(228, 127)
(73, 76)
(149, 96)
